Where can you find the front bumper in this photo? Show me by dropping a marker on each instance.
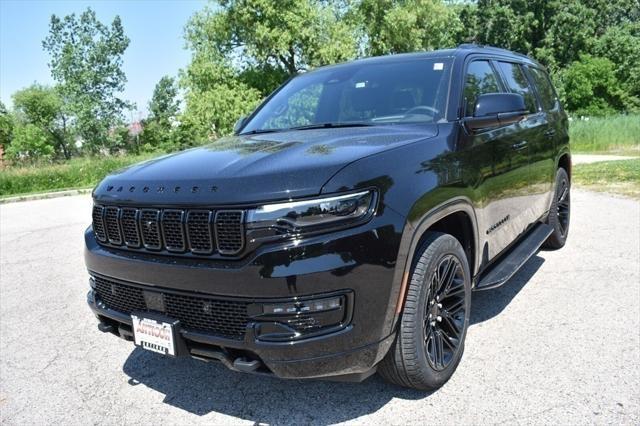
(360, 261)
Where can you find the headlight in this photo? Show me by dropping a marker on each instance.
(309, 215)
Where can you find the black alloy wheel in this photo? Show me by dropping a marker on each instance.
(445, 313)
(432, 327)
(563, 205)
(559, 212)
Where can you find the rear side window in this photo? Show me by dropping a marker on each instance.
(517, 83)
(545, 89)
(480, 79)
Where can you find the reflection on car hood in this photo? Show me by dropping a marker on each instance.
(248, 169)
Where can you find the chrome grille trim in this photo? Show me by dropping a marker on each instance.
(201, 232)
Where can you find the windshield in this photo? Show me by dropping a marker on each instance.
(407, 91)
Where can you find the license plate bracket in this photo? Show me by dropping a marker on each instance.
(157, 333)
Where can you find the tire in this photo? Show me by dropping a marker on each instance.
(560, 212)
(411, 360)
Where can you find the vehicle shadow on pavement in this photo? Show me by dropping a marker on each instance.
(201, 388)
(489, 303)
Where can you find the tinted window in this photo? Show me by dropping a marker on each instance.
(298, 110)
(480, 79)
(411, 91)
(517, 83)
(545, 89)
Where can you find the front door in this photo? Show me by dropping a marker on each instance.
(499, 171)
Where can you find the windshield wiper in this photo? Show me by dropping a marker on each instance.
(259, 131)
(330, 126)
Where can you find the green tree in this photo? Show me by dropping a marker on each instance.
(42, 106)
(164, 104)
(621, 45)
(6, 127)
(30, 143)
(589, 86)
(288, 35)
(393, 26)
(215, 98)
(86, 62)
(159, 128)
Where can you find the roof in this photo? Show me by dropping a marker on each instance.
(462, 50)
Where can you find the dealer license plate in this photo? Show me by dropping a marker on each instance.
(152, 335)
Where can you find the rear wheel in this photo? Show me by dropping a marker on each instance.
(430, 340)
(560, 212)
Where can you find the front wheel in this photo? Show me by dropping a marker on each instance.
(560, 212)
(430, 340)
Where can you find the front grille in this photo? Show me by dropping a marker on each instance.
(198, 232)
(227, 318)
(111, 218)
(172, 230)
(98, 223)
(129, 221)
(150, 225)
(229, 233)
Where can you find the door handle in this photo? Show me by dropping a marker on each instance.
(550, 133)
(520, 145)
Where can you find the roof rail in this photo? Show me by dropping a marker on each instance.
(470, 46)
(498, 49)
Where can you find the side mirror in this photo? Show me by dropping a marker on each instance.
(239, 124)
(496, 109)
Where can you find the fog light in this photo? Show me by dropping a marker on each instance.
(318, 305)
(298, 319)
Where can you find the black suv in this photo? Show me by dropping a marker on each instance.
(342, 228)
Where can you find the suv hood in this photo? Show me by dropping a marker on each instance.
(250, 169)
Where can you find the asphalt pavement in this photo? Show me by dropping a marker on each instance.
(559, 343)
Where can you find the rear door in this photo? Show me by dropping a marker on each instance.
(542, 150)
(528, 139)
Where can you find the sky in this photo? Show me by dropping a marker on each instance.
(155, 28)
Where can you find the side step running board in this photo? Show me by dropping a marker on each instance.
(514, 259)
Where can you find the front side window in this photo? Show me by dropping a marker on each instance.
(362, 93)
(480, 79)
(545, 89)
(517, 83)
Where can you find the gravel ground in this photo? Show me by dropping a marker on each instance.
(559, 343)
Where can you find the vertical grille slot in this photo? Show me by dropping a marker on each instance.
(173, 230)
(129, 224)
(229, 231)
(199, 231)
(150, 228)
(111, 223)
(98, 223)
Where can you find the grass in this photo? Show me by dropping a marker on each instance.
(76, 173)
(618, 134)
(620, 177)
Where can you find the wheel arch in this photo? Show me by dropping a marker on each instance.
(455, 217)
(564, 162)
